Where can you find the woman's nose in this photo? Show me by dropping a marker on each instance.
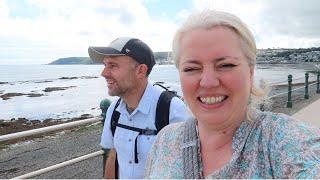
(209, 79)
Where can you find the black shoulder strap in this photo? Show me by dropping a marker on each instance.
(163, 108)
(114, 118)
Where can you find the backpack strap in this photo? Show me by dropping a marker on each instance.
(163, 108)
(115, 118)
(147, 132)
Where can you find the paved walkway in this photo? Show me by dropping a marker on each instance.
(310, 114)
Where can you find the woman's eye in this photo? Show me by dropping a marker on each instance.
(227, 65)
(190, 69)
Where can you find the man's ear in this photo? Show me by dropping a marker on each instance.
(142, 70)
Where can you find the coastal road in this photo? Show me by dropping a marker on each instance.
(39, 153)
(310, 114)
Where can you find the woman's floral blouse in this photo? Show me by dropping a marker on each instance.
(269, 146)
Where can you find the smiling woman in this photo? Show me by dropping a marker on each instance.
(215, 54)
(211, 72)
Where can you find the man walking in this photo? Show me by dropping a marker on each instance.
(130, 124)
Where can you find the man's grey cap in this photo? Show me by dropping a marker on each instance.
(125, 46)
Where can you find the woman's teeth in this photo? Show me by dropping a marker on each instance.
(212, 100)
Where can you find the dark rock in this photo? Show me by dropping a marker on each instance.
(47, 120)
(34, 95)
(9, 95)
(34, 122)
(50, 89)
(3, 124)
(68, 78)
(89, 77)
(82, 77)
(3, 82)
(86, 115)
(22, 120)
(45, 81)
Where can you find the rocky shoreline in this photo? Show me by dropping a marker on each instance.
(10, 95)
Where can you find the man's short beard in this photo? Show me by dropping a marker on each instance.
(118, 92)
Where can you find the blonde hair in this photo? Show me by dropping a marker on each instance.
(211, 18)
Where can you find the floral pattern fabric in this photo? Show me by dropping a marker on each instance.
(269, 146)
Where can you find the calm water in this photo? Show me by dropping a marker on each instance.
(86, 94)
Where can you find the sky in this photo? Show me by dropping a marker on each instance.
(41, 31)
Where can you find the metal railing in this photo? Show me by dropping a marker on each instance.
(47, 129)
(296, 89)
(306, 87)
(60, 165)
(50, 129)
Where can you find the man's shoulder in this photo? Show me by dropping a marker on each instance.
(113, 107)
(114, 103)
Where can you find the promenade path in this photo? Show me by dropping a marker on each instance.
(310, 114)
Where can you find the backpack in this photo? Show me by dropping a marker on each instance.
(161, 120)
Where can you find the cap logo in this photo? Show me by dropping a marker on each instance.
(127, 50)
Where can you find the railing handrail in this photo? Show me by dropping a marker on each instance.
(60, 165)
(47, 129)
(275, 95)
(286, 81)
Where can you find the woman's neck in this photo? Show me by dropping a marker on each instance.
(215, 146)
(216, 139)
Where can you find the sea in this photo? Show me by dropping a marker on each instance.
(84, 88)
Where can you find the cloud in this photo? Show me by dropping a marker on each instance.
(285, 23)
(183, 14)
(294, 17)
(68, 28)
(4, 10)
(58, 29)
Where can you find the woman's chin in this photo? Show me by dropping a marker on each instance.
(211, 119)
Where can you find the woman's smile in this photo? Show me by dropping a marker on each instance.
(212, 100)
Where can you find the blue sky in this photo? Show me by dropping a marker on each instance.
(40, 31)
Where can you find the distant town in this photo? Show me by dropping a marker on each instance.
(288, 55)
(271, 56)
(265, 56)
